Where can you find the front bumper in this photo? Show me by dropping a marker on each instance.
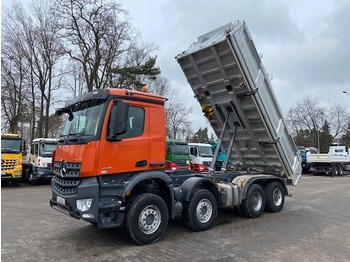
(12, 175)
(104, 210)
(42, 173)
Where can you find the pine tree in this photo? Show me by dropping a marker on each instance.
(325, 138)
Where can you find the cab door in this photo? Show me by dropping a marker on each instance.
(127, 152)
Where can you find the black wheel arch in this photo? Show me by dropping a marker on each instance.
(156, 182)
(263, 181)
(192, 184)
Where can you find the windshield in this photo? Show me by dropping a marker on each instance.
(205, 151)
(11, 145)
(47, 149)
(86, 116)
(181, 149)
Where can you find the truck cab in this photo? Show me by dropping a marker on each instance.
(221, 155)
(177, 156)
(11, 159)
(39, 160)
(201, 156)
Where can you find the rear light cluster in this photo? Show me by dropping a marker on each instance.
(198, 167)
(190, 167)
(173, 166)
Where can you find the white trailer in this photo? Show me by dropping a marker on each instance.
(335, 162)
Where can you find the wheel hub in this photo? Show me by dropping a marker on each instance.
(257, 201)
(149, 219)
(277, 197)
(204, 211)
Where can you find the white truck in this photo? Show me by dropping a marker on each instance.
(201, 156)
(335, 162)
(38, 160)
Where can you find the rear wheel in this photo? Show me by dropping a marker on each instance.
(274, 195)
(32, 180)
(201, 212)
(335, 170)
(146, 219)
(253, 206)
(15, 182)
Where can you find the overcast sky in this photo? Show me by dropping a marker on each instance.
(305, 44)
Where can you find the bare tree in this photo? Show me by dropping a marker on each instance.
(13, 74)
(32, 35)
(177, 118)
(338, 119)
(97, 35)
(13, 92)
(309, 115)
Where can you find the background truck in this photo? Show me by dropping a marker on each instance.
(335, 162)
(221, 156)
(201, 156)
(11, 159)
(109, 162)
(38, 161)
(304, 164)
(177, 156)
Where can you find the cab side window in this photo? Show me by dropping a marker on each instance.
(136, 120)
(36, 149)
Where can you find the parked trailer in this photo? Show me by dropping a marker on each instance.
(111, 173)
(335, 162)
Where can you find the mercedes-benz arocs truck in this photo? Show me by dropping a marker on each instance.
(11, 158)
(109, 161)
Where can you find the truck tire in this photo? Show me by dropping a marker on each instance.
(201, 212)
(146, 219)
(341, 170)
(16, 182)
(274, 197)
(254, 204)
(32, 180)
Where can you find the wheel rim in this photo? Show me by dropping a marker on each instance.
(204, 210)
(257, 201)
(277, 197)
(149, 219)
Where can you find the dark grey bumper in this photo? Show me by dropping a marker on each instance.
(104, 211)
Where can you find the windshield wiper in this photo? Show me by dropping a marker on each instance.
(71, 137)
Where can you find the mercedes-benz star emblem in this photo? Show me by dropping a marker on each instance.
(63, 168)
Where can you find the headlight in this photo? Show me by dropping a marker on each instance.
(18, 173)
(84, 204)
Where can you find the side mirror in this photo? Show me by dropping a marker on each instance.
(24, 146)
(193, 151)
(60, 111)
(121, 119)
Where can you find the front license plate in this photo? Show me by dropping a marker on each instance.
(61, 200)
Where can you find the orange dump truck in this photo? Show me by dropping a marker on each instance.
(110, 159)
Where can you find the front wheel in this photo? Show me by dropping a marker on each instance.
(274, 195)
(253, 206)
(146, 219)
(201, 212)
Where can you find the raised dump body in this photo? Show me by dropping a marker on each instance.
(230, 83)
